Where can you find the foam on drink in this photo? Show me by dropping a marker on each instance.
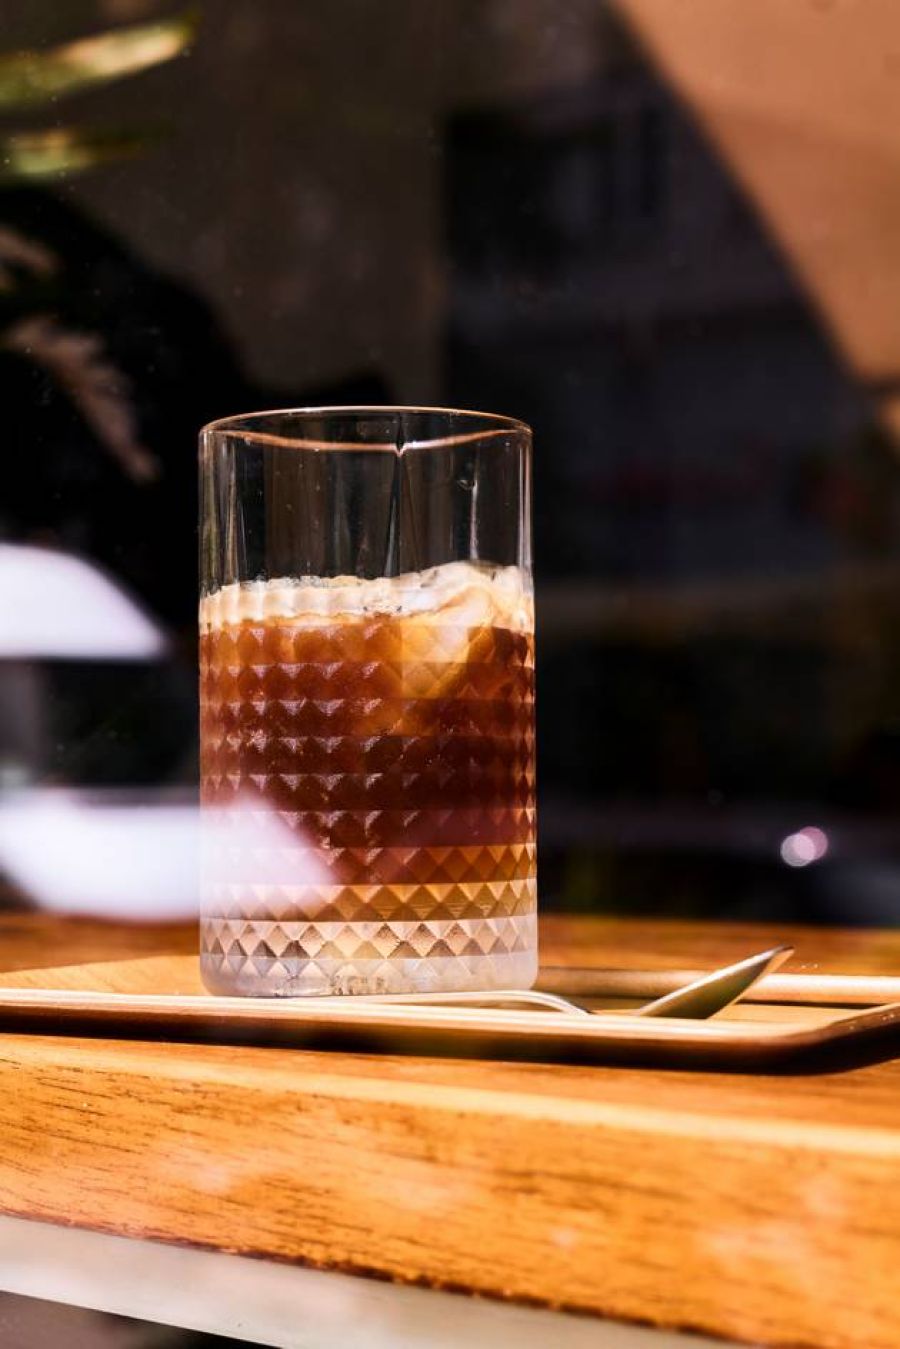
(465, 593)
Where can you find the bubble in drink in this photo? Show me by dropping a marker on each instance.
(367, 777)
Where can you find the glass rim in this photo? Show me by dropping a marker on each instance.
(236, 424)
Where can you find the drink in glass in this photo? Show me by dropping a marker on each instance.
(367, 702)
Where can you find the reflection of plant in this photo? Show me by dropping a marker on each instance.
(32, 276)
(34, 79)
(78, 364)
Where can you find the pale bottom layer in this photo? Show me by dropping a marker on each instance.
(296, 959)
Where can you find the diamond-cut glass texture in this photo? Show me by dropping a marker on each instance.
(368, 792)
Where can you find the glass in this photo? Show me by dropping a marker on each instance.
(367, 702)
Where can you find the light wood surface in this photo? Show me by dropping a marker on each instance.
(764, 1209)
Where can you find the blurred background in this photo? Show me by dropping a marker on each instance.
(666, 234)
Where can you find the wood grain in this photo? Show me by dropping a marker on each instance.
(758, 1208)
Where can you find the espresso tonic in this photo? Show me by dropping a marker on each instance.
(367, 766)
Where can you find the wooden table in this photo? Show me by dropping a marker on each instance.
(761, 1209)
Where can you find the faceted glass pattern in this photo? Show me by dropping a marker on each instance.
(368, 789)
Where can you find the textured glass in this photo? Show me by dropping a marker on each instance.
(367, 736)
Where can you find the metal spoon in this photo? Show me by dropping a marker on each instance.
(704, 997)
(699, 999)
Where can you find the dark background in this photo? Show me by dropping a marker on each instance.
(525, 207)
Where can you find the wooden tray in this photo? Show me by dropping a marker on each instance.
(161, 998)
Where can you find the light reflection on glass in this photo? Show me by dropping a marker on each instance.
(105, 855)
(142, 856)
(805, 846)
(65, 609)
(113, 853)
